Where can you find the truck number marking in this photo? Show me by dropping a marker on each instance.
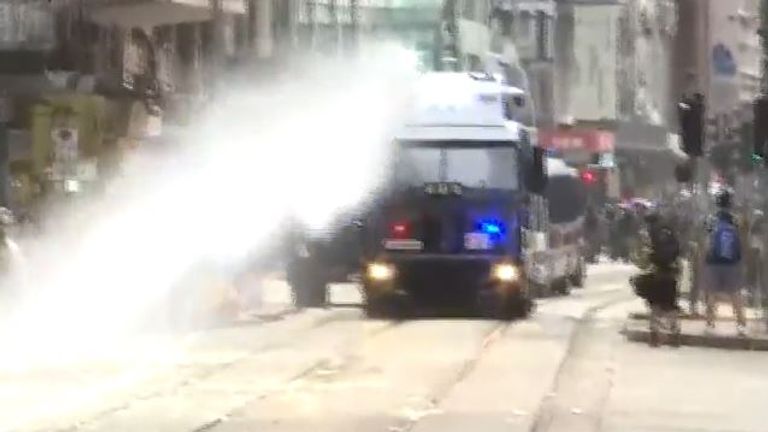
(413, 245)
(477, 241)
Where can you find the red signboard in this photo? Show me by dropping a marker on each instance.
(590, 140)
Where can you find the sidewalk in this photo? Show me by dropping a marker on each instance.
(693, 331)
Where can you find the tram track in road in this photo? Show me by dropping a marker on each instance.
(318, 368)
(413, 411)
(507, 333)
(342, 350)
(396, 405)
(584, 377)
(201, 373)
(468, 366)
(333, 354)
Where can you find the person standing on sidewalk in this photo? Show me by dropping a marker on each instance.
(723, 265)
(657, 285)
(755, 253)
(592, 236)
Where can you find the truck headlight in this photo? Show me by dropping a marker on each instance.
(506, 272)
(380, 271)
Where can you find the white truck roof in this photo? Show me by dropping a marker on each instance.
(558, 167)
(460, 106)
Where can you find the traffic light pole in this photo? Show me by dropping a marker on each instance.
(759, 129)
(763, 33)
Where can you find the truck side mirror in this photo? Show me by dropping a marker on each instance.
(537, 172)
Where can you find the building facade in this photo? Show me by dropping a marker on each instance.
(531, 33)
(606, 85)
(717, 53)
(734, 52)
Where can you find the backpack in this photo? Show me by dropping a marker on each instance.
(724, 245)
(665, 249)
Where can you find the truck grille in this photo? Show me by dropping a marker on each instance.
(443, 280)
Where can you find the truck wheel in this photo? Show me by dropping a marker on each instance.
(387, 308)
(310, 294)
(378, 309)
(512, 309)
(308, 283)
(536, 290)
(493, 306)
(560, 286)
(489, 305)
(577, 279)
(520, 307)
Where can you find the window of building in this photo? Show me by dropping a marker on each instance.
(482, 12)
(474, 64)
(468, 10)
(542, 36)
(523, 30)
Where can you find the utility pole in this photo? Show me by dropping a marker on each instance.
(763, 33)
(260, 17)
(760, 128)
(335, 25)
(285, 17)
(354, 26)
(6, 108)
(311, 8)
(450, 38)
(217, 46)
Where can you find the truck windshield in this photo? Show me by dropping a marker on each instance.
(473, 165)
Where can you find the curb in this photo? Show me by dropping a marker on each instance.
(704, 341)
(683, 316)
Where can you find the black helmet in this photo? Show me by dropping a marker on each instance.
(723, 199)
(652, 216)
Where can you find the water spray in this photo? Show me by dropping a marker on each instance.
(306, 148)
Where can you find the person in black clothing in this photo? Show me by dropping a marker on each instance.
(755, 254)
(592, 234)
(658, 284)
(625, 227)
(611, 230)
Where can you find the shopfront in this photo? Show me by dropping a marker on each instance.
(580, 147)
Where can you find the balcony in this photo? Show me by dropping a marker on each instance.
(153, 13)
(403, 17)
(26, 27)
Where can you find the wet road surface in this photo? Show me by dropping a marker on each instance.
(564, 369)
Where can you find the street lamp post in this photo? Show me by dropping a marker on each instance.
(352, 39)
(763, 33)
(5, 116)
(217, 51)
(759, 129)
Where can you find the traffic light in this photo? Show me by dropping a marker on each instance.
(588, 177)
(760, 128)
(537, 173)
(597, 181)
(691, 116)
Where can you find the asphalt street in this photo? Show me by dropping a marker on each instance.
(566, 368)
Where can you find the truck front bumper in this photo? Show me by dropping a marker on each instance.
(437, 279)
